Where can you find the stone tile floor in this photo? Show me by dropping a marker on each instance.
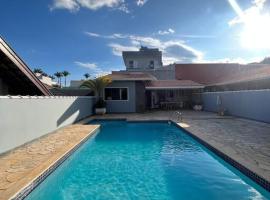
(246, 141)
(20, 166)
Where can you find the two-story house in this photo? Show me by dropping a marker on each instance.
(144, 59)
(147, 84)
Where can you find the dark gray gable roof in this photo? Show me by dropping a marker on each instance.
(20, 74)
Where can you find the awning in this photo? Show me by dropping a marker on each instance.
(172, 85)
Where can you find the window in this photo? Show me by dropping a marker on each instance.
(152, 64)
(131, 63)
(116, 94)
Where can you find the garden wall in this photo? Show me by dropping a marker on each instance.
(23, 119)
(251, 104)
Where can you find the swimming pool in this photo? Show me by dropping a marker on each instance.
(145, 161)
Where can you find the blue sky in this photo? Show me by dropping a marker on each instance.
(88, 35)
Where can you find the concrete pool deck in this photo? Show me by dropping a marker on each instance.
(22, 165)
(245, 141)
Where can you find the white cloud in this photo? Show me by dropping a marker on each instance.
(96, 4)
(75, 5)
(141, 2)
(166, 32)
(94, 69)
(123, 7)
(91, 66)
(178, 51)
(173, 50)
(92, 34)
(65, 4)
(117, 35)
(145, 41)
(113, 36)
(135, 43)
(196, 36)
(117, 49)
(124, 36)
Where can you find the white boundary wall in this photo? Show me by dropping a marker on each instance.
(25, 118)
(251, 104)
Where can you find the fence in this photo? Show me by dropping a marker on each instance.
(24, 118)
(252, 104)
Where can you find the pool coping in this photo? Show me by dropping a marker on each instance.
(240, 167)
(28, 188)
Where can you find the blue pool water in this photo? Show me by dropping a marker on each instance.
(145, 161)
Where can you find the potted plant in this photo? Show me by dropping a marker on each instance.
(98, 85)
(100, 107)
(198, 107)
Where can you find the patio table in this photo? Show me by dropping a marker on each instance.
(171, 105)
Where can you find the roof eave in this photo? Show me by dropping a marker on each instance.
(174, 88)
(127, 79)
(10, 53)
(239, 81)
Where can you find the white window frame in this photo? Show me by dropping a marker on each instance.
(119, 91)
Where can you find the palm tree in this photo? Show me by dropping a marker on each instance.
(86, 75)
(65, 74)
(52, 77)
(58, 75)
(61, 75)
(44, 74)
(38, 70)
(97, 85)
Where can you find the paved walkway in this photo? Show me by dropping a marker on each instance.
(246, 141)
(20, 166)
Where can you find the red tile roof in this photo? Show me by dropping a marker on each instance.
(130, 76)
(221, 73)
(173, 84)
(256, 72)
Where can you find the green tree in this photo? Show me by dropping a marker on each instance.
(86, 75)
(97, 85)
(52, 77)
(65, 74)
(44, 74)
(38, 70)
(58, 75)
